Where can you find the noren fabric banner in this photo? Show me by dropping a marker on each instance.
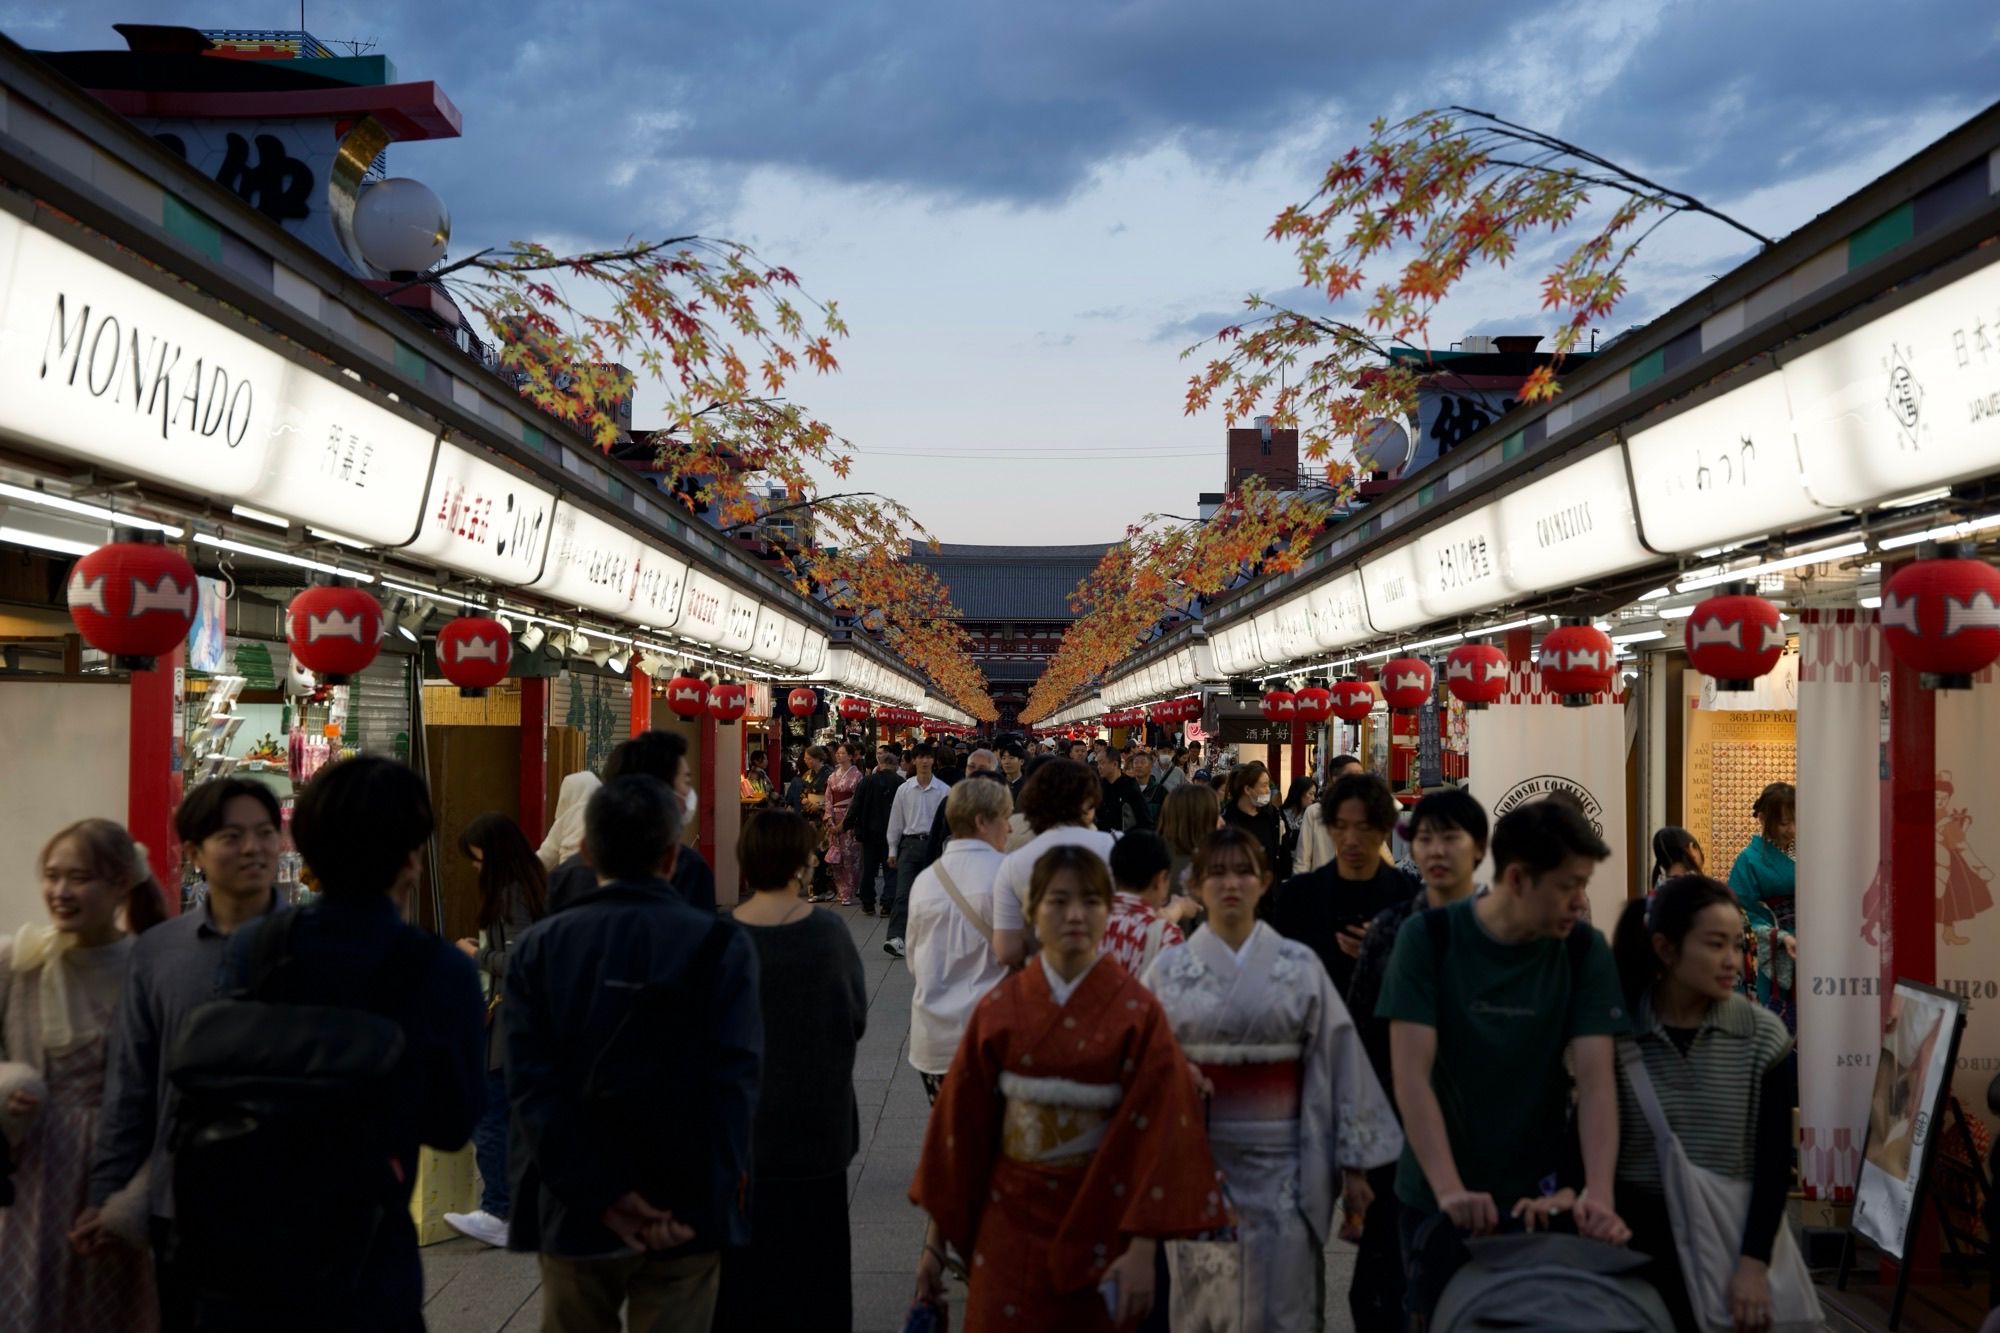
(1840, 709)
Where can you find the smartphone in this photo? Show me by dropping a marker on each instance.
(1108, 1289)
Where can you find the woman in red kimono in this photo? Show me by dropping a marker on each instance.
(1068, 1139)
(843, 850)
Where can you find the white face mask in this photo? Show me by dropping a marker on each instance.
(1262, 798)
(693, 799)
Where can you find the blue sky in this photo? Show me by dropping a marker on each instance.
(1026, 211)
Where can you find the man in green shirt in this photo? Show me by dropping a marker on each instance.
(1477, 1033)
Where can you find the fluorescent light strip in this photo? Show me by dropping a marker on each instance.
(283, 558)
(1523, 623)
(1664, 590)
(60, 545)
(413, 589)
(1949, 532)
(1432, 643)
(1839, 552)
(259, 516)
(1921, 497)
(1676, 612)
(68, 506)
(1641, 636)
(339, 540)
(1871, 603)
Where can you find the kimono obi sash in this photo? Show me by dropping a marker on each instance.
(1054, 1121)
(1254, 1085)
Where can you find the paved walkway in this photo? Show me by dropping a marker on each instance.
(471, 1289)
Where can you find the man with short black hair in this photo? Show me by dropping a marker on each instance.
(1485, 999)
(1123, 807)
(1012, 757)
(655, 754)
(1329, 908)
(910, 817)
(868, 820)
(230, 829)
(1141, 875)
(362, 826)
(1448, 834)
(634, 1053)
(981, 763)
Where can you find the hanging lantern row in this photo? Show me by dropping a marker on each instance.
(802, 702)
(1313, 704)
(1578, 662)
(1735, 637)
(1280, 706)
(1476, 674)
(1407, 683)
(1352, 700)
(856, 710)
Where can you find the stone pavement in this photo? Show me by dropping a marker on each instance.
(471, 1289)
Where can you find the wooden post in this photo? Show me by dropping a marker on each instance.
(152, 785)
(1298, 751)
(534, 757)
(711, 792)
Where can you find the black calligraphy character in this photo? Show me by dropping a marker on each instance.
(277, 186)
(1459, 419)
(174, 144)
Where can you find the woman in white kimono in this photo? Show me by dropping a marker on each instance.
(1296, 1115)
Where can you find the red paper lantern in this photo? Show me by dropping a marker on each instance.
(1476, 674)
(687, 696)
(473, 652)
(1943, 618)
(856, 710)
(1735, 638)
(1407, 683)
(802, 702)
(1578, 661)
(728, 701)
(1280, 706)
(134, 600)
(1314, 704)
(334, 631)
(1352, 699)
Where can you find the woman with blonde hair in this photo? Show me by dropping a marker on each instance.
(1188, 816)
(59, 991)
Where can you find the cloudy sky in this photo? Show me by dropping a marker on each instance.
(1027, 211)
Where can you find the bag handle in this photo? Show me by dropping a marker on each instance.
(979, 923)
(1634, 1062)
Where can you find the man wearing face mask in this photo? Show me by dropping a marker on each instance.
(662, 755)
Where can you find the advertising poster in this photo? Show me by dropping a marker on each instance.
(1912, 1077)
(1526, 751)
(206, 649)
(1965, 790)
(1839, 849)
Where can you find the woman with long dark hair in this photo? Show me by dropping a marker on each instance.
(1716, 1062)
(1764, 878)
(1303, 795)
(60, 986)
(1676, 853)
(513, 895)
(1247, 805)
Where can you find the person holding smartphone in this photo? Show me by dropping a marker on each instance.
(1329, 909)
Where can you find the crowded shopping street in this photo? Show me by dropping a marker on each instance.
(1069, 669)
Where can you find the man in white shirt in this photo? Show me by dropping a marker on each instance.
(1060, 801)
(916, 805)
(951, 953)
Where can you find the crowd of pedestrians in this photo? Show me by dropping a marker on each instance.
(1175, 1040)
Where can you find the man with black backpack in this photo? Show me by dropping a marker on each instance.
(346, 1039)
(634, 1052)
(1483, 999)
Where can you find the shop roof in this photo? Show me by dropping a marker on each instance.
(1011, 582)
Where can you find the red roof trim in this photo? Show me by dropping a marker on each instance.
(412, 111)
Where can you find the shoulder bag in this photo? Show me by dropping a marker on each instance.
(1708, 1212)
(979, 923)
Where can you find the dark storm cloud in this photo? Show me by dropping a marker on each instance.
(599, 119)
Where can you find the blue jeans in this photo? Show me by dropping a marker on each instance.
(489, 1146)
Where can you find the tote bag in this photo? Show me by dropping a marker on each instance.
(1708, 1212)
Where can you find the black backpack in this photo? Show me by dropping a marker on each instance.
(292, 1107)
(639, 1100)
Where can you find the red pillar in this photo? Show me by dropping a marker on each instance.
(1520, 646)
(642, 702)
(705, 839)
(1909, 948)
(152, 785)
(1298, 750)
(534, 757)
(774, 751)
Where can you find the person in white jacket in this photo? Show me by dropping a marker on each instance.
(1315, 847)
(566, 828)
(950, 939)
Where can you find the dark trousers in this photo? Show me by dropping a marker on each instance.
(489, 1146)
(1375, 1297)
(178, 1301)
(796, 1274)
(873, 856)
(909, 864)
(1653, 1235)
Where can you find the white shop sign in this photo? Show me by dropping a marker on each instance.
(590, 563)
(1295, 630)
(1721, 471)
(484, 520)
(792, 647)
(1270, 637)
(100, 366)
(769, 641)
(1339, 612)
(1574, 524)
(1459, 565)
(1236, 649)
(812, 658)
(1908, 401)
(739, 623)
(704, 609)
(1393, 588)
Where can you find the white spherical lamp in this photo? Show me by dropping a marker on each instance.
(401, 225)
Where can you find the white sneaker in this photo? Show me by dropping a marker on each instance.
(481, 1226)
(894, 948)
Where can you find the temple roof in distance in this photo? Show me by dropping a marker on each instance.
(1010, 582)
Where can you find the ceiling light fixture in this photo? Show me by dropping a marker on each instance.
(1524, 623)
(42, 541)
(281, 557)
(1949, 532)
(1839, 552)
(1642, 636)
(68, 506)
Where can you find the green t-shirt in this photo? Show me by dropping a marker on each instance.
(1504, 1014)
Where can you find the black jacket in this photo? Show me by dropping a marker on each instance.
(868, 813)
(1123, 807)
(941, 827)
(570, 981)
(338, 948)
(692, 879)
